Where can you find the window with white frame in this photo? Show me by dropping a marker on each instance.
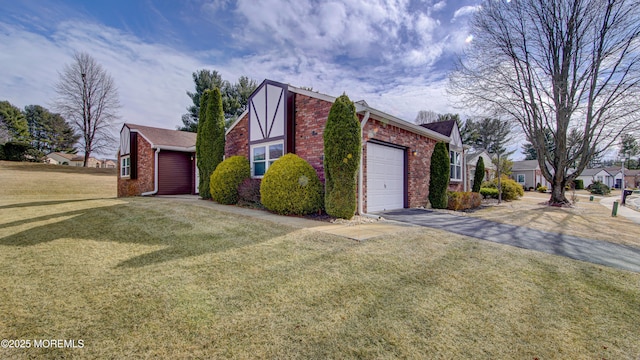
(125, 166)
(263, 155)
(521, 179)
(456, 165)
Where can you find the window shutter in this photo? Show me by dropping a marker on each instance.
(134, 155)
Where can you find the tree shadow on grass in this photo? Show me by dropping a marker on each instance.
(169, 225)
(44, 203)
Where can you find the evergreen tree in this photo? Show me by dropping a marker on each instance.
(210, 138)
(479, 175)
(342, 147)
(439, 177)
(13, 124)
(49, 132)
(201, 145)
(234, 97)
(215, 126)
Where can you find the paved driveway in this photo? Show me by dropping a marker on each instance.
(594, 251)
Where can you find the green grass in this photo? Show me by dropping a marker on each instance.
(143, 277)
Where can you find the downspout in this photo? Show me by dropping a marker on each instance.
(155, 175)
(361, 174)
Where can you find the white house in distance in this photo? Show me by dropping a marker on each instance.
(528, 174)
(589, 176)
(61, 158)
(616, 176)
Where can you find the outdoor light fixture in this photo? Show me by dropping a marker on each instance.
(415, 152)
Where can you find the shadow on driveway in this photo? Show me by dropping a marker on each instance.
(594, 251)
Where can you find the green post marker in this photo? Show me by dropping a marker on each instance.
(614, 211)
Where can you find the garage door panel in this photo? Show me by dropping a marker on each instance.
(174, 173)
(385, 177)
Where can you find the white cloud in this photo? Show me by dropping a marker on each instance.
(389, 54)
(151, 79)
(465, 11)
(439, 5)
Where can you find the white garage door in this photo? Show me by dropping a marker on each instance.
(385, 178)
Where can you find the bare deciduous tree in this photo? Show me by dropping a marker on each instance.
(88, 99)
(426, 117)
(558, 65)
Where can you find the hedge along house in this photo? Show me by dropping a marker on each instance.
(156, 161)
(280, 119)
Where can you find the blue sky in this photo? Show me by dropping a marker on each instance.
(393, 54)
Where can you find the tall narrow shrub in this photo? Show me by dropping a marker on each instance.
(439, 177)
(479, 176)
(201, 145)
(210, 138)
(342, 147)
(215, 112)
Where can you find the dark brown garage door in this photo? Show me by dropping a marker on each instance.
(175, 174)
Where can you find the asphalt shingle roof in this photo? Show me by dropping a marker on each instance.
(166, 137)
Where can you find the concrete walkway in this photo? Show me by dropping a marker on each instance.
(594, 251)
(352, 231)
(622, 210)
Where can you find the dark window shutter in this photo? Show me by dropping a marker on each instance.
(134, 155)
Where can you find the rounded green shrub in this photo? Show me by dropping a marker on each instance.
(226, 178)
(598, 188)
(291, 186)
(342, 147)
(578, 184)
(439, 177)
(511, 190)
(542, 189)
(489, 192)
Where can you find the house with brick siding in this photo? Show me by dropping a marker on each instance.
(156, 161)
(394, 168)
(457, 161)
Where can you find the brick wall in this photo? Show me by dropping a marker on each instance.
(237, 140)
(311, 117)
(145, 166)
(418, 165)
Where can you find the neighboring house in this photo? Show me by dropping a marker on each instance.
(472, 159)
(78, 161)
(528, 174)
(109, 163)
(394, 168)
(589, 176)
(457, 173)
(616, 176)
(156, 161)
(632, 179)
(59, 158)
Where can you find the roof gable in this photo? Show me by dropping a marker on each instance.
(447, 128)
(160, 138)
(526, 165)
(361, 107)
(594, 172)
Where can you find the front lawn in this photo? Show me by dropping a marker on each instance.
(156, 278)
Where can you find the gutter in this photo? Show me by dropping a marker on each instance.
(361, 172)
(155, 175)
